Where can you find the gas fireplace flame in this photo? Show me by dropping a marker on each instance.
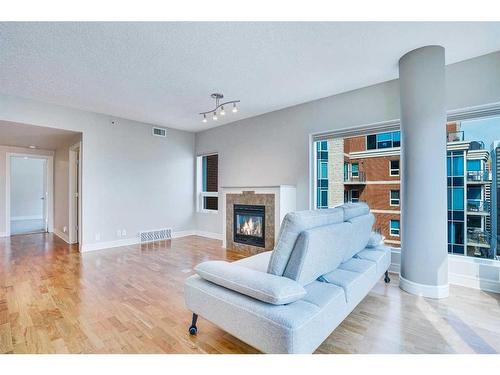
(251, 228)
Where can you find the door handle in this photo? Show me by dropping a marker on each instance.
(42, 198)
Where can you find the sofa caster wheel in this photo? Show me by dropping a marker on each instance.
(386, 277)
(193, 330)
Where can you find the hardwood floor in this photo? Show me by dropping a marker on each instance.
(130, 300)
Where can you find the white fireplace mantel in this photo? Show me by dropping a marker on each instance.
(285, 201)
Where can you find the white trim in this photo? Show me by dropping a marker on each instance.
(212, 235)
(49, 187)
(395, 212)
(108, 244)
(393, 151)
(3, 234)
(135, 240)
(474, 282)
(61, 235)
(32, 217)
(424, 290)
(74, 174)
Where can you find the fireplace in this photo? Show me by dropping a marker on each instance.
(249, 224)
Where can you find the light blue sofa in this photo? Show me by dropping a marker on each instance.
(290, 299)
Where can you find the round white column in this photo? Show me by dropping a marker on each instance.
(424, 251)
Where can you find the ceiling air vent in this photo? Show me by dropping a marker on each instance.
(159, 132)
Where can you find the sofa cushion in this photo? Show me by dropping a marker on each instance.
(380, 255)
(351, 282)
(356, 277)
(354, 210)
(361, 229)
(363, 266)
(318, 251)
(263, 286)
(293, 224)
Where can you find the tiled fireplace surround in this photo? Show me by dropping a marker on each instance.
(278, 200)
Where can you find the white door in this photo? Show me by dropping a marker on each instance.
(28, 195)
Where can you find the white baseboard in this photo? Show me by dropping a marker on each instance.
(32, 217)
(424, 290)
(109, 244)
(134, 241)
(183, 233)
(212, 235)
(63, 236)
(474, 282)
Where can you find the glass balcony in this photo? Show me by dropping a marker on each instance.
(478, 176)
(478, 238)
(478, 207)
(455, 136)
(354, 177)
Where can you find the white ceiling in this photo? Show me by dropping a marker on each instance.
(22, 135)
(163, 73)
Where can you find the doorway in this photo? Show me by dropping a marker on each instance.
(29, 200)
(75, 193)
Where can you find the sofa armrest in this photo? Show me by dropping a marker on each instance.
(276, 290)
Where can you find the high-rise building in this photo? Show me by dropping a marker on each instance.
(495, 201)
(371, 170)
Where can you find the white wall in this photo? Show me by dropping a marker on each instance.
(273, 148)
(3, 163)
(130, 180)
(27, 181)
(61, 187)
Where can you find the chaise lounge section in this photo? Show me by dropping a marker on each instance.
(289, 300)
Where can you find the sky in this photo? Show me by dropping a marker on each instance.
(486, 130)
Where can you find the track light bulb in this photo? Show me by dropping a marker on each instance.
(235, 109)
(222, 112)
(204, 118)
(214, 117)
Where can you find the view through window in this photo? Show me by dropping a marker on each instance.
(367, 168)
(208, 175)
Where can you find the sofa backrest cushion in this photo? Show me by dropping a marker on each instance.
(352, 210)
(293, 224)
(319, 251)
(276, 290)
(361, 232)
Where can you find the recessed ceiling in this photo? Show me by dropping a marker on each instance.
(163, 73)
(23, 135)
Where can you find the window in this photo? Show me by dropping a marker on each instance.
(393, 167)
(473, 165)
(354, 196)
(322, 174)
(340, 166)
(355, 170)
(208, 176)
(456, 197)
(383, 140)
(394, 198)
(394, 228)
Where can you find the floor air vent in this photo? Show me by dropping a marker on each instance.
(156, 235)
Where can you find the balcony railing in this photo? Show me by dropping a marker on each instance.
(478, 206)
(356, 177)
(476, 237)
(455, 136)
(478, 176)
